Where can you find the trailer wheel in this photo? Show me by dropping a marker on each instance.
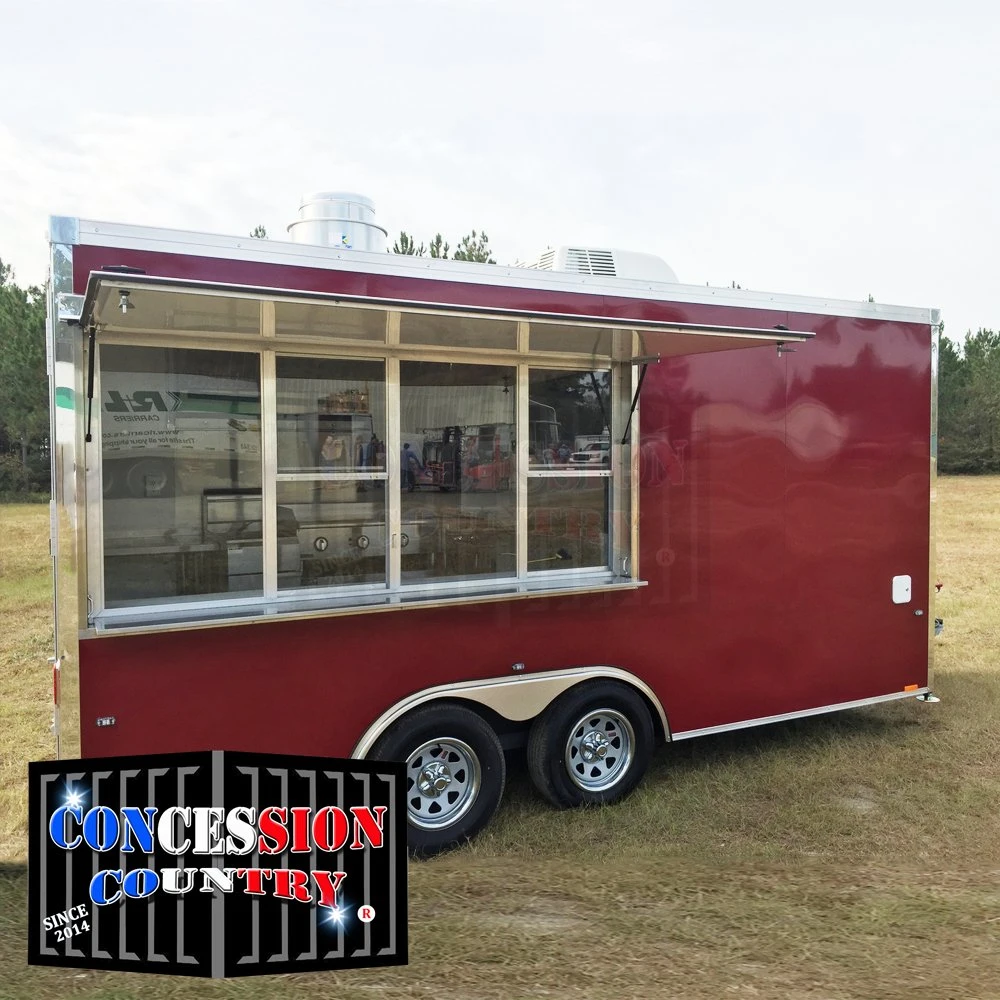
(591, 745)
(455, 774)
(150, 477)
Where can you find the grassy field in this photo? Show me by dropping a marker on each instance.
(848, 856)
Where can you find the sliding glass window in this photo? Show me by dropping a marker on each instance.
(569, 475)
(458, 471)
(181, 466)
(331, 472)
(357, 455)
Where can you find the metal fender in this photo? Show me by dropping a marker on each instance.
(517, 698)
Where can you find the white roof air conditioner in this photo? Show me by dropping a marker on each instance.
(602, 262)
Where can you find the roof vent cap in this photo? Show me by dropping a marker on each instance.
(339, 219)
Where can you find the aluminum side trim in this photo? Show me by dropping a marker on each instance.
(823, 709)
(260, 611)
(936, 328)
(64, 229)
(517, 698)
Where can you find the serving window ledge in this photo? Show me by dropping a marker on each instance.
(210, 614)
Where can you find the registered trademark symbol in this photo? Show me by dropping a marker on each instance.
(366, 914)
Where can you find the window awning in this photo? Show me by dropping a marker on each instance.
(123, 302)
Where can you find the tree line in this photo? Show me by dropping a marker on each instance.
(24, 389)
(474, 246)
(969, 404)
(968, 381)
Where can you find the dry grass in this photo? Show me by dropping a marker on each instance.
(850, 856)
(25, 677)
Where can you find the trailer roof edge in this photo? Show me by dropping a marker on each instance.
(192, 243)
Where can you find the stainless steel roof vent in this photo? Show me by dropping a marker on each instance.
(338, 219)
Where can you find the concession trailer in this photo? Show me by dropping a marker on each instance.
(243, 559)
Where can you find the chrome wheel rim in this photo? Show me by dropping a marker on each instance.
(442, 782)
(599, 750)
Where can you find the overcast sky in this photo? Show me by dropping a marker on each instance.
(834, 149)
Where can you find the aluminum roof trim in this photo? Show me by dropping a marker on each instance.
(93, 233)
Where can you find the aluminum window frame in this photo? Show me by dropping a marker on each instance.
(269, 418)
(499, 358)
(97, 608)
(611, 555)
(621, 523)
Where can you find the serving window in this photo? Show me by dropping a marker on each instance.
(262, 456)
(256, 454)
(337, 457)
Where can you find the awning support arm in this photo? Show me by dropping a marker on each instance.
(645, 362)
(91, 363)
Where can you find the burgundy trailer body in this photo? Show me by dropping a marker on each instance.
(762, 533)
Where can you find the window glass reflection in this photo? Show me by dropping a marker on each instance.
(313, 319)
(568, 412)
(570, 339)
(567, 523)
(442, 330)
(331, 415)
(458, 471)
(331, 534)
(182, 312)
(180, 443)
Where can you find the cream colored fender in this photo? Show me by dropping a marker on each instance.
(516, 698)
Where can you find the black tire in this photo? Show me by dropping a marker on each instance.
(592, 745)
(457, 743)
(150, 477)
